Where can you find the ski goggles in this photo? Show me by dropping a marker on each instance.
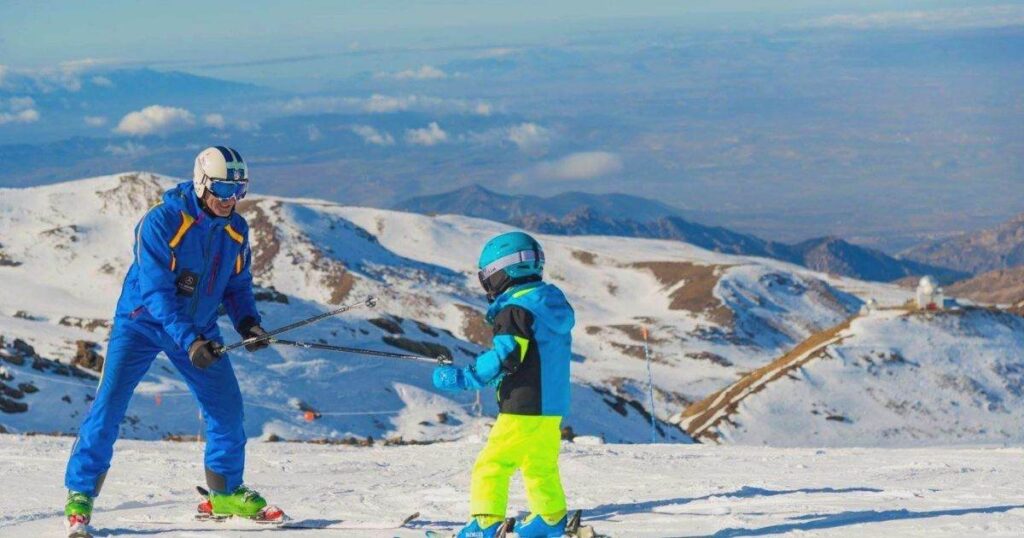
(494, 267)
(227, 190)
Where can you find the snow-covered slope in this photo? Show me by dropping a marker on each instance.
(65, 248)
(637, 491)
(889, 378)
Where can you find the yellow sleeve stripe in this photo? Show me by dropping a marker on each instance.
(186, 222)
(524, 344)
(234, 235)
(238, 264)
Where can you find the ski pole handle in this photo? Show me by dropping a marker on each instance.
(369, 302)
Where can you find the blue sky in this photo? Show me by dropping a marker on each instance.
(37, 34)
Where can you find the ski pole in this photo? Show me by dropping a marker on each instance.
(370, 302)
(440, 359)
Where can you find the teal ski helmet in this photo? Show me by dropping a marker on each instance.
(507, 260)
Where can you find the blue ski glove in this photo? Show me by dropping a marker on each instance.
(449, 378)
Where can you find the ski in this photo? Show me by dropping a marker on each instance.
(573, 528)
(349, 525)
(77, 527)
(504, 530)
(274, 517)
(304, 524)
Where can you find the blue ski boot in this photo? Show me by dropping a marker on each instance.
(535, 527)
(474, 530)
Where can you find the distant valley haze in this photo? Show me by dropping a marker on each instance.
(888, 125)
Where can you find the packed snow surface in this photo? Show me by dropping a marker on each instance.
(624, 490)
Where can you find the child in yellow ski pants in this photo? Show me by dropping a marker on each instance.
(528, 364)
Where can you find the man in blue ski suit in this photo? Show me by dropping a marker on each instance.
(191, 255)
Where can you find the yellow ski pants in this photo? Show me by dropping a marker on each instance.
(527, 443)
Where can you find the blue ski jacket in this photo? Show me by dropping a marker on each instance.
(532, 349)
(187, 264)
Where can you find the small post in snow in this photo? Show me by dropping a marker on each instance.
(650, 386)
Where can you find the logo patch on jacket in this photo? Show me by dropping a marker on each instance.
(187, 283)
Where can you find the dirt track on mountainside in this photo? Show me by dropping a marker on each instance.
(701, 418)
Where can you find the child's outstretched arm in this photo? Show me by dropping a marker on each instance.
(513, 332)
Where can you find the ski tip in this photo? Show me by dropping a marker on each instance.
(272, 514)
(77, 526)
(203, 491)
(410, 518)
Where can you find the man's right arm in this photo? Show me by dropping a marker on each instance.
(157, 280)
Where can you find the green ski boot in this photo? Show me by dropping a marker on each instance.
(78, 513)
(243, 502)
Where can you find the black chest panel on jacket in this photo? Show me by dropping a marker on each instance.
(520, 390)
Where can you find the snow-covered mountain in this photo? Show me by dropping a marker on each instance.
(999, 247)
(710, 316)
(1002, 286)
(892, 377)
(629, 216)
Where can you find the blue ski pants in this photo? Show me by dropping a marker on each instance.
(131, 350)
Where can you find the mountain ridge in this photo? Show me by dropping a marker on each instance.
(582, 214)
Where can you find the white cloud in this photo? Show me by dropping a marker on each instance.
(937, 19)
(24, 116)
(529, 136)
(373, 136)
(95, 121)
(382, 104)
(246, 125)
(426, 72)
(64, 76)
(499, 52)
(68, 74)
(318, 105)
(83, 64)
(313, 133)
(128, 149)
(385, 103)
(18, 110)
(103, 82)
(155, 119)
(17, 104)
(214, 120)
(574, 167)
(429, 136)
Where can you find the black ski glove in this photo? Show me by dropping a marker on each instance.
(203, 353)
(250, 329)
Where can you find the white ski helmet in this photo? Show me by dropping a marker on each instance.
(221, 171)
